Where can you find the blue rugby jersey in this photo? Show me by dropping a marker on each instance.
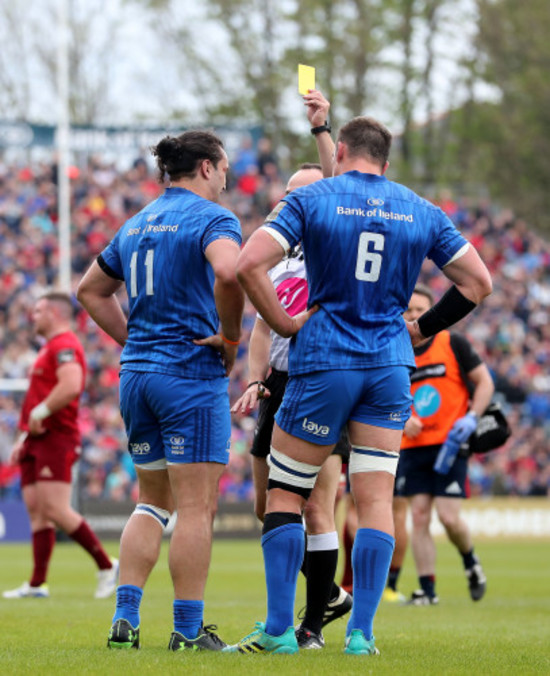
(159, 253)
(364, 239)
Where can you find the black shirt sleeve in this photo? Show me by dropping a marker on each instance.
(107, 269)
(467, 358)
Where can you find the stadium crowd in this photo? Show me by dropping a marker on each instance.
(510, 331)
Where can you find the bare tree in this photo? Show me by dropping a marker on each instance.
(18, 41)
(28, 60)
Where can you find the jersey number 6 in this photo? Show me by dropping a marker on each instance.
(369, 263)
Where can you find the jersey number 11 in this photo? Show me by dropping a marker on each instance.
(148, 273)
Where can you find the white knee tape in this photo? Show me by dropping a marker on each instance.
(161, 515)
(365, 459)
(289, 471)
(322, 542)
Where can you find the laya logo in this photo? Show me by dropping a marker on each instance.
(140, 448)
(427, 401)
(314, 428)
(375, 202)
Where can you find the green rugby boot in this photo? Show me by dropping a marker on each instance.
(261, 642)
(357, 644)
(123, 636)
(205, 640)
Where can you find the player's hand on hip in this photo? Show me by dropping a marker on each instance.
(214, 341)
(414, 332)
(228, 352)
(300, 319)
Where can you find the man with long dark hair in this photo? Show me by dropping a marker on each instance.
(177, 260)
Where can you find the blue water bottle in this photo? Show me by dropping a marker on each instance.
(447, 454)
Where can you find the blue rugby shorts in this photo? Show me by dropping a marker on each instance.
(317, 405)
(183, 420)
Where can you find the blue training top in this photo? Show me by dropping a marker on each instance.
(364, 239)
(159, 253)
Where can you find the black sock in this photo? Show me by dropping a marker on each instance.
(427, 583)
(334, 592)
(469, 559)
(303, 569)
(275, 519)
(321, 569)
(393, 576)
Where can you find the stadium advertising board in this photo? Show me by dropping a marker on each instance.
(233, 520)
(494, 518)
(89, 139)
(14, 522)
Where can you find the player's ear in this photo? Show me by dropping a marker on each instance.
(340, 152)
(205, 168)
(385, 168)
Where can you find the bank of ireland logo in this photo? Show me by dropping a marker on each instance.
(427, 401)
(375, 202)
(177, 445)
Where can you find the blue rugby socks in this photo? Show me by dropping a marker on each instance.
(128, 600)
(283, 549)
(371, 558)
(188, 617)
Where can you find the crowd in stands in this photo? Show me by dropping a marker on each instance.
(511, 330)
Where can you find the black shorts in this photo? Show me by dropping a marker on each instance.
(276, 384)
(415, 475)
(261, 445)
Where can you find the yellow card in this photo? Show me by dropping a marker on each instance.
(306, 78)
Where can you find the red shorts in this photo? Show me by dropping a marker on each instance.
(48, 457)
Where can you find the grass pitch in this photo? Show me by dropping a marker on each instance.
(508, 632)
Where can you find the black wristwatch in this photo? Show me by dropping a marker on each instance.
(321, 129)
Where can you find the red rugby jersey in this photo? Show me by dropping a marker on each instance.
(64, 348)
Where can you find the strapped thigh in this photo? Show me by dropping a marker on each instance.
(161, 515)
(366, 459)
(291, 475)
